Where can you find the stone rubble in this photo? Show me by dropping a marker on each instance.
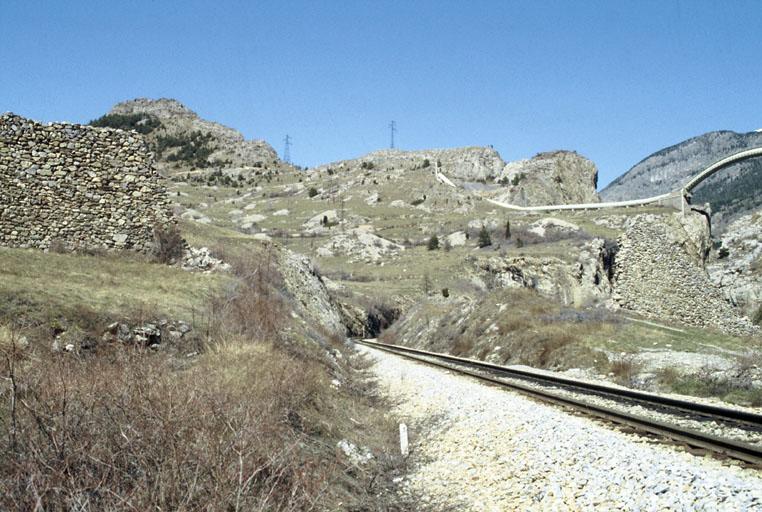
(476, 447)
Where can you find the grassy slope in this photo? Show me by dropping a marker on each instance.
(264, 401)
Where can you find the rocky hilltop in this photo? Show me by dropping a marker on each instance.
(557, 177)
(730, 192)
(184, 141)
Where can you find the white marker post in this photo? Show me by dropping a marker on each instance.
(404, 448)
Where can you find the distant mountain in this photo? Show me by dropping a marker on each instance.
(731, 193)
(183, 142)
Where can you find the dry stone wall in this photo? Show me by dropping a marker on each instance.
(658, 274)
(79, 186)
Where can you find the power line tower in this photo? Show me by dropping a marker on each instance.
(287, 149)
(393, 129)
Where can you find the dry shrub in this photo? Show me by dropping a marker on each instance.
(168, 244)
(58, 246)
(625, 369)
(125, 431)
(255, 307)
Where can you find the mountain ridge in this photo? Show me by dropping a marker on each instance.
(730, 192)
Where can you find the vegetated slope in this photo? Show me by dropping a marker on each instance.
(184, 142)
(731, 192)
(136, 382)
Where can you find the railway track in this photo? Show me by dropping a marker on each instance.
(741, 431)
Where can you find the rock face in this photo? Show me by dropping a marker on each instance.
(659, 273)
(469, 163)
(730, 190)
(76, 185)
(583, 281)
(360, 245)
(228, 147)
(739, 274)
(308, 291)
(558, 177)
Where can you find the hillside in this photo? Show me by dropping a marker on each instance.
(731, 192)
(183, 142)
(554, 177)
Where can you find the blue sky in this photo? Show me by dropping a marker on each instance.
(614, 81)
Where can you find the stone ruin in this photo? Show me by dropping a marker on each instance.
(79, 186)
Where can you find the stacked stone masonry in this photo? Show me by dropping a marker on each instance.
(660, 276)
(78, 186)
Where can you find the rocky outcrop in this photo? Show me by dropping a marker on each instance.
(310, 296)
(581, 281)
(469, 163)
(229, 148)
(78, 186)
(360, 245)
(558, 177)
(658, 273)
(738, 270)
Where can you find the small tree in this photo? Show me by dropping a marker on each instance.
(484, 238)
(426, 284)
(507, 229)
(519, 243)
(445, 292)
(312, 192)
(433, 243)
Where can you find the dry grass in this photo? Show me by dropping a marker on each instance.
(250, 424)
(625, 369)
(51, 285)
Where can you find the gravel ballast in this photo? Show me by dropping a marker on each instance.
(479, 447)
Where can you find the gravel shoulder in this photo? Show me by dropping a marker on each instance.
(478, 447)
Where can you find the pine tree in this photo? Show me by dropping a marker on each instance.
(433, 243)
(484, 238)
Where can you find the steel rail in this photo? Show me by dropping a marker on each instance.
(731, 448)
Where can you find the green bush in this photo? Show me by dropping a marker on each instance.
(141, 123)
(312, 192)
(433, 243)
(193, 149)
(484, 238)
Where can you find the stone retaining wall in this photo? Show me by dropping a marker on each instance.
(660, 274)
(79, 186)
